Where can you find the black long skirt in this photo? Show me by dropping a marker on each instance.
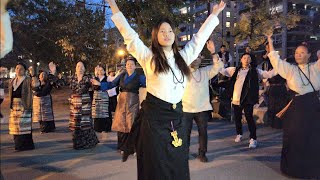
(23, 142)
(102, 124)
(113, 103)
(157, 158)
(300, 156)
(47, 126)
(278, 99)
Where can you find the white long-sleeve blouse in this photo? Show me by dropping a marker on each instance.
(164, 85)
(297, 81)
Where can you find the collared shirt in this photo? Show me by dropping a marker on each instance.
(164, 85)
(297, 81)
(242, 74)
(196, 96)
(6, 40)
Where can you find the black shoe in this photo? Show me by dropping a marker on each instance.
(202, 158)
(125, 156)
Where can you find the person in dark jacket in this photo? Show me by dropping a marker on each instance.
(245, 94)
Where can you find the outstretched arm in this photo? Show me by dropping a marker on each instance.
(134, 44)
(6, 40)
(282, 67)
(217, 64)
(194, 47)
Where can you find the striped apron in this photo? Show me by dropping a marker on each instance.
(42, 109)
(80, 112)
(20, 119)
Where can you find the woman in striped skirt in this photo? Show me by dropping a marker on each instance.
(42, 105)
(100, 105)
(80, 123)
(20, 95)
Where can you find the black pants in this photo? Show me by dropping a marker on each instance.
(201, 120)
(248, 112)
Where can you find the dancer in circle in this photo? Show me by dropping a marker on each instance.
(83, 134)
(162, 151)
(20, 95)
(42, 101)
(301, 120)
(128, 103)
(196, 100)
(101, 113)
(244, 92)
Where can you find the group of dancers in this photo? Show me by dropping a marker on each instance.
(177, 93)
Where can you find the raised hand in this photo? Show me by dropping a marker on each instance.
(52, 68)
(269, 34)
(113, 6)
(96, 71)
(218, 8)
(95, 82)
(210, 46)
(31, 71)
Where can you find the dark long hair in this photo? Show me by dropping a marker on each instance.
(159, 59)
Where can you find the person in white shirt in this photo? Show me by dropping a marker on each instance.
(301, 120)
(196, 100)
(6, 39)
(112, 92)
(244, 90)
(161, 145)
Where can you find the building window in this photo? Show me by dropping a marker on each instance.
(184, 10)
(293, 6)
(184, 38)
(227, 24)
(305, 6)
(228, 14)
(235, 25)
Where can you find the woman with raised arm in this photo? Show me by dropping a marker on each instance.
(20, 95)
(42, 101)
(162, 142)
(301, 121)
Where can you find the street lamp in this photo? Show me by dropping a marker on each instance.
(121, 52)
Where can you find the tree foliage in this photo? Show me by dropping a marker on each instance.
(56, 30)
(259, 19)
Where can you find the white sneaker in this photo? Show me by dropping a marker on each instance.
(238, 138)
(253, 143)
